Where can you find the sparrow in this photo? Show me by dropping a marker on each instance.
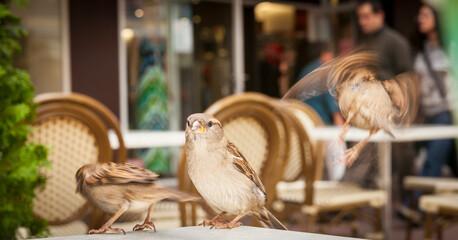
(118, 188)
(365, 101)
(223, 176)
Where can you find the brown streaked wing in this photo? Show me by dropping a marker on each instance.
(242, 165)
(404, 90)
(112, 173)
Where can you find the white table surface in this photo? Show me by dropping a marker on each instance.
(406, 134)
(134, 139)
(145, 139)
(199, 233)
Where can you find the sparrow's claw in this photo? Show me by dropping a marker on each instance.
(227, 225)
(205, 223)
(350, 156)
(213, 223)
(107, 229)
(145, 225)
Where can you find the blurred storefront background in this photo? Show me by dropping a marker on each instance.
(154, 62)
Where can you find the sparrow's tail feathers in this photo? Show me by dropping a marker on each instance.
(179, 196)
(269, 220)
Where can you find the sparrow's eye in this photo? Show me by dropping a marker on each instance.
(189, 123)
(210, 124)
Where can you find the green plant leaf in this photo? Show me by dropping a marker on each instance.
(20, 162)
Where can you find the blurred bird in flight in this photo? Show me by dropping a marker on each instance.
(365, 101)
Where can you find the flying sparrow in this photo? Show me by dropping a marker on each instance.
(118, 188)
(364, 101)
(222, 175)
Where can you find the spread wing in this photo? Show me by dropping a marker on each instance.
(112, 173)
(241, 164)
(404, 90)
(328, 76)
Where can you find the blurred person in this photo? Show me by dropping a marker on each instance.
(392, 48)
(325, 105)
(346, 44)
(269, 69)
(432, 65)
(286, 69)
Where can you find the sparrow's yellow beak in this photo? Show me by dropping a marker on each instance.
(197, 127)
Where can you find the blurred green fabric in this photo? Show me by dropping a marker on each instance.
(152, 114)
(449, 19)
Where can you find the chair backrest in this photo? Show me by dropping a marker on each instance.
(75, 128)
(308, 119)
(306, 154)
(251, 122)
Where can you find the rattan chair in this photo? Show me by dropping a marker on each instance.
(310, 195)
(309, 119)
(426, 185)
(443, 208)
(75, 128)
(443, 205)
(252, 122)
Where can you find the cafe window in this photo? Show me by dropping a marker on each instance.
(177, 57)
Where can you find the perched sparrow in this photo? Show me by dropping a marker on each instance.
(117, 188)
(222, 175)
(364, 101)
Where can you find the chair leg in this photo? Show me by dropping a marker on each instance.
(183, 215)
(440, 229)
(439, 232)
(354, 228)
(300, 219)
(311, 221)
(282, 214)
(194, 213)
(354, 225)
(377, 225)
(321, 228)
(409, 222)
(378, 220)
(428, 226)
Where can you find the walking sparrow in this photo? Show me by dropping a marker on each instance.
(118, 188)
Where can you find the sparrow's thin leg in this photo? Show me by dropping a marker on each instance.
(107, 225)
(346, 126)
(352, 153)
(213, 221)
(218, 216)
(232, 224)
(147, 223)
